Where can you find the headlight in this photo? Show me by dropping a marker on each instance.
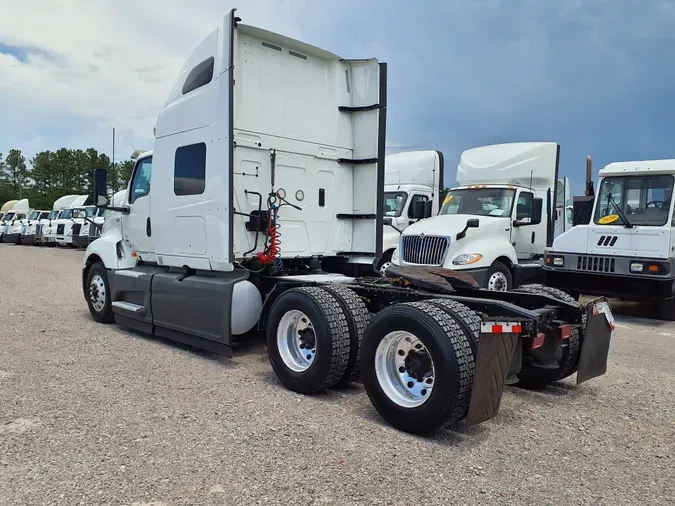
(47, 231)
(85, 229)
(468, 258)
(636, 267)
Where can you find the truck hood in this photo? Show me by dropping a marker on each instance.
(451, 224)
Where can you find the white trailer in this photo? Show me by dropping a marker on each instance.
(268, 157)
(624, 245)
(496, 224)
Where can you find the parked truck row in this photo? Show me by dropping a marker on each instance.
(268, 165)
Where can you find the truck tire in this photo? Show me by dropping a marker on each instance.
(97, 294)
(499, 277)
(417, 366)
(547, 290)
(466, 317)
(358, 317)
(568, 363)
(308, 339)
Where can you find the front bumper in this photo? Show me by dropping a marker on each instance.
(81, 241)
(610, 276)
(11, 238)
(28, 239)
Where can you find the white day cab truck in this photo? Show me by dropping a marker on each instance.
(412, 184)
(495, 225)
(269, 156)
(623, 245)
(19, 211)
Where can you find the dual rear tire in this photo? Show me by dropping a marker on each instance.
(416, 360)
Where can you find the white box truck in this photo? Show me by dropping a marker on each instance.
(623, 244)
(268, 156)
(496, 224)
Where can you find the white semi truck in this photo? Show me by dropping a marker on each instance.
(268, 156)
(623, 244)
(45, 230)
(56, 232)
(18, 233)
(19, 211)
(6, 207)
(412, 184)
(87, 229)
(496, 224)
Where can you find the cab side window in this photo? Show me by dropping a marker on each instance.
(524, 206)
(411, 207)
(140, 183)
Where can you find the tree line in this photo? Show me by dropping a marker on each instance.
(53, 174)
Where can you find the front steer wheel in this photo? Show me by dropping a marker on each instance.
(308, 339)
(97, 293)
(417, 366)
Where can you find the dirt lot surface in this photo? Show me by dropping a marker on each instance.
(93, 414)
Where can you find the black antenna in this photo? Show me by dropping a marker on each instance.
(531, 172)
(114, 175)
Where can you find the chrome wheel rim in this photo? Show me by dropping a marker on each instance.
(296, 340)
(384, 267)
(97, 293)
(498, 282)
(404, 369)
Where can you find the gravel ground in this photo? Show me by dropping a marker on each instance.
(92, 414)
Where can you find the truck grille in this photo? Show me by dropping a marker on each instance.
(60, 229)
(76, 228)
(38, 231)
(595, 264)
(94, 232)
(423, 250)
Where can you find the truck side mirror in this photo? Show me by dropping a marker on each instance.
(582, 209)
(428, 208)
(419, 210)
(470, 223)
(537, 207)
(100, 188)
(390, 222)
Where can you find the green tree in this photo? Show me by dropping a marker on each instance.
(16, 172)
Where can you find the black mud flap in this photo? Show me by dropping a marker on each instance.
(595, 344)
(495, 351)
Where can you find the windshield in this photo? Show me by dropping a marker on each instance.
(91, 212)
(645, 200)
(34, 215)
(53, 215)
(9, 216)
(66, 214)
(394, 202)
(479, 201)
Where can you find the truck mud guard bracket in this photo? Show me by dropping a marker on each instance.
(496, 345)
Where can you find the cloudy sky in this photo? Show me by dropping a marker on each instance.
(597, 76)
